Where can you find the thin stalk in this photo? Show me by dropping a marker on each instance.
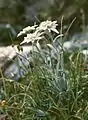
(63, 80)
(3, 80)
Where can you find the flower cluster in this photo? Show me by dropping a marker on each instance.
(36, 32)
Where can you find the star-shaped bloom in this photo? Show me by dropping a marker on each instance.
(48, 25)
(27, 30)
(32, 37)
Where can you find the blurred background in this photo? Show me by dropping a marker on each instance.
(17, 14)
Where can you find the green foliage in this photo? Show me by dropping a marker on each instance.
(53, 89)
(20, 13)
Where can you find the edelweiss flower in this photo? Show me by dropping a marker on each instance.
(27, 29)
(32, 37)
(48, 25)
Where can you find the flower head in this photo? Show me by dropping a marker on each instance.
(32, 37)
(48, 25)
(27, 30)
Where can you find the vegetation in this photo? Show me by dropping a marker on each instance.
(20, 13)
(55, 86)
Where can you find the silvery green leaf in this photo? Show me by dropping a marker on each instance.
(51, 46)
(56, 38)
(40, 113)
(38, 45)
(55, 30)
